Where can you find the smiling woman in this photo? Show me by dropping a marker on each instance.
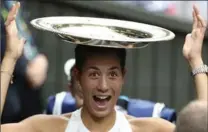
(100, 72)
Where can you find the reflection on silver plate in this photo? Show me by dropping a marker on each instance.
(92, 31)
(102, 43)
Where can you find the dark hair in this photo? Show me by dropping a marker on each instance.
(71, 71)
(72, 76)
(83, 52)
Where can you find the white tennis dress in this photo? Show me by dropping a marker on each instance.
(75, 123)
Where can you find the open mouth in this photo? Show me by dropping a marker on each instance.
(101, 100)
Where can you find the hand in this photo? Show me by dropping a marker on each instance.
(37, 71)
(14, 45)
(192, 49)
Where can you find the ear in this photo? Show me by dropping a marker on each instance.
(69, 86)
(124, 74)
(76, 73)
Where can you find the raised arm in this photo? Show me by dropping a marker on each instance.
(192, 52)
(14, 47)
(24, 126)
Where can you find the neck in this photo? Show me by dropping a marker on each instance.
(96, 124)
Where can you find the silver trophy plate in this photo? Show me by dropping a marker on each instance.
(103, 32)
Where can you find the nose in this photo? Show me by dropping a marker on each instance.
(103, 87)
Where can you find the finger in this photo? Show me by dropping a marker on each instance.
(11, 19)
(21, 45)
(201, 21)
(203, 24)
(17, 7)
(13, 11)
(187, 41)
(194, 20)
(10, 15)
(22, 42)
(188, 36)
(196, 10)
(194, 33)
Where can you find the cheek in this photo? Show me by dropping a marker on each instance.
(87, 84)
(117, 85)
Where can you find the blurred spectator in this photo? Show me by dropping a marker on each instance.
(153, 6)
(193, 117)
(24, 95)
(177, 9)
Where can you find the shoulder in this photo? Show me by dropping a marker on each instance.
(150, 124)
(37, 123)
(44, 117)
(43, 122)
(162, 125)
(67, 115)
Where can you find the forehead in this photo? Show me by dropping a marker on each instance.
(102, 61)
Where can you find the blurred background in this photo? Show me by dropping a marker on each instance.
(158, 72)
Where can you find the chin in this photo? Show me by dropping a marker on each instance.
(101, 108)
(101, 114)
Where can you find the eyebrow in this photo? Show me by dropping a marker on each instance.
(114, 68)
(95, 68)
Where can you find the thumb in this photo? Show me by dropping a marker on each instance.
(22, 43)
(187, 43)
(188, 39)
(188, 36)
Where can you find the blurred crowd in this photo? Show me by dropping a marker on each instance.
(177, 9)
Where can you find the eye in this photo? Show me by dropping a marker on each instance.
(94, 74)
(113, 74)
